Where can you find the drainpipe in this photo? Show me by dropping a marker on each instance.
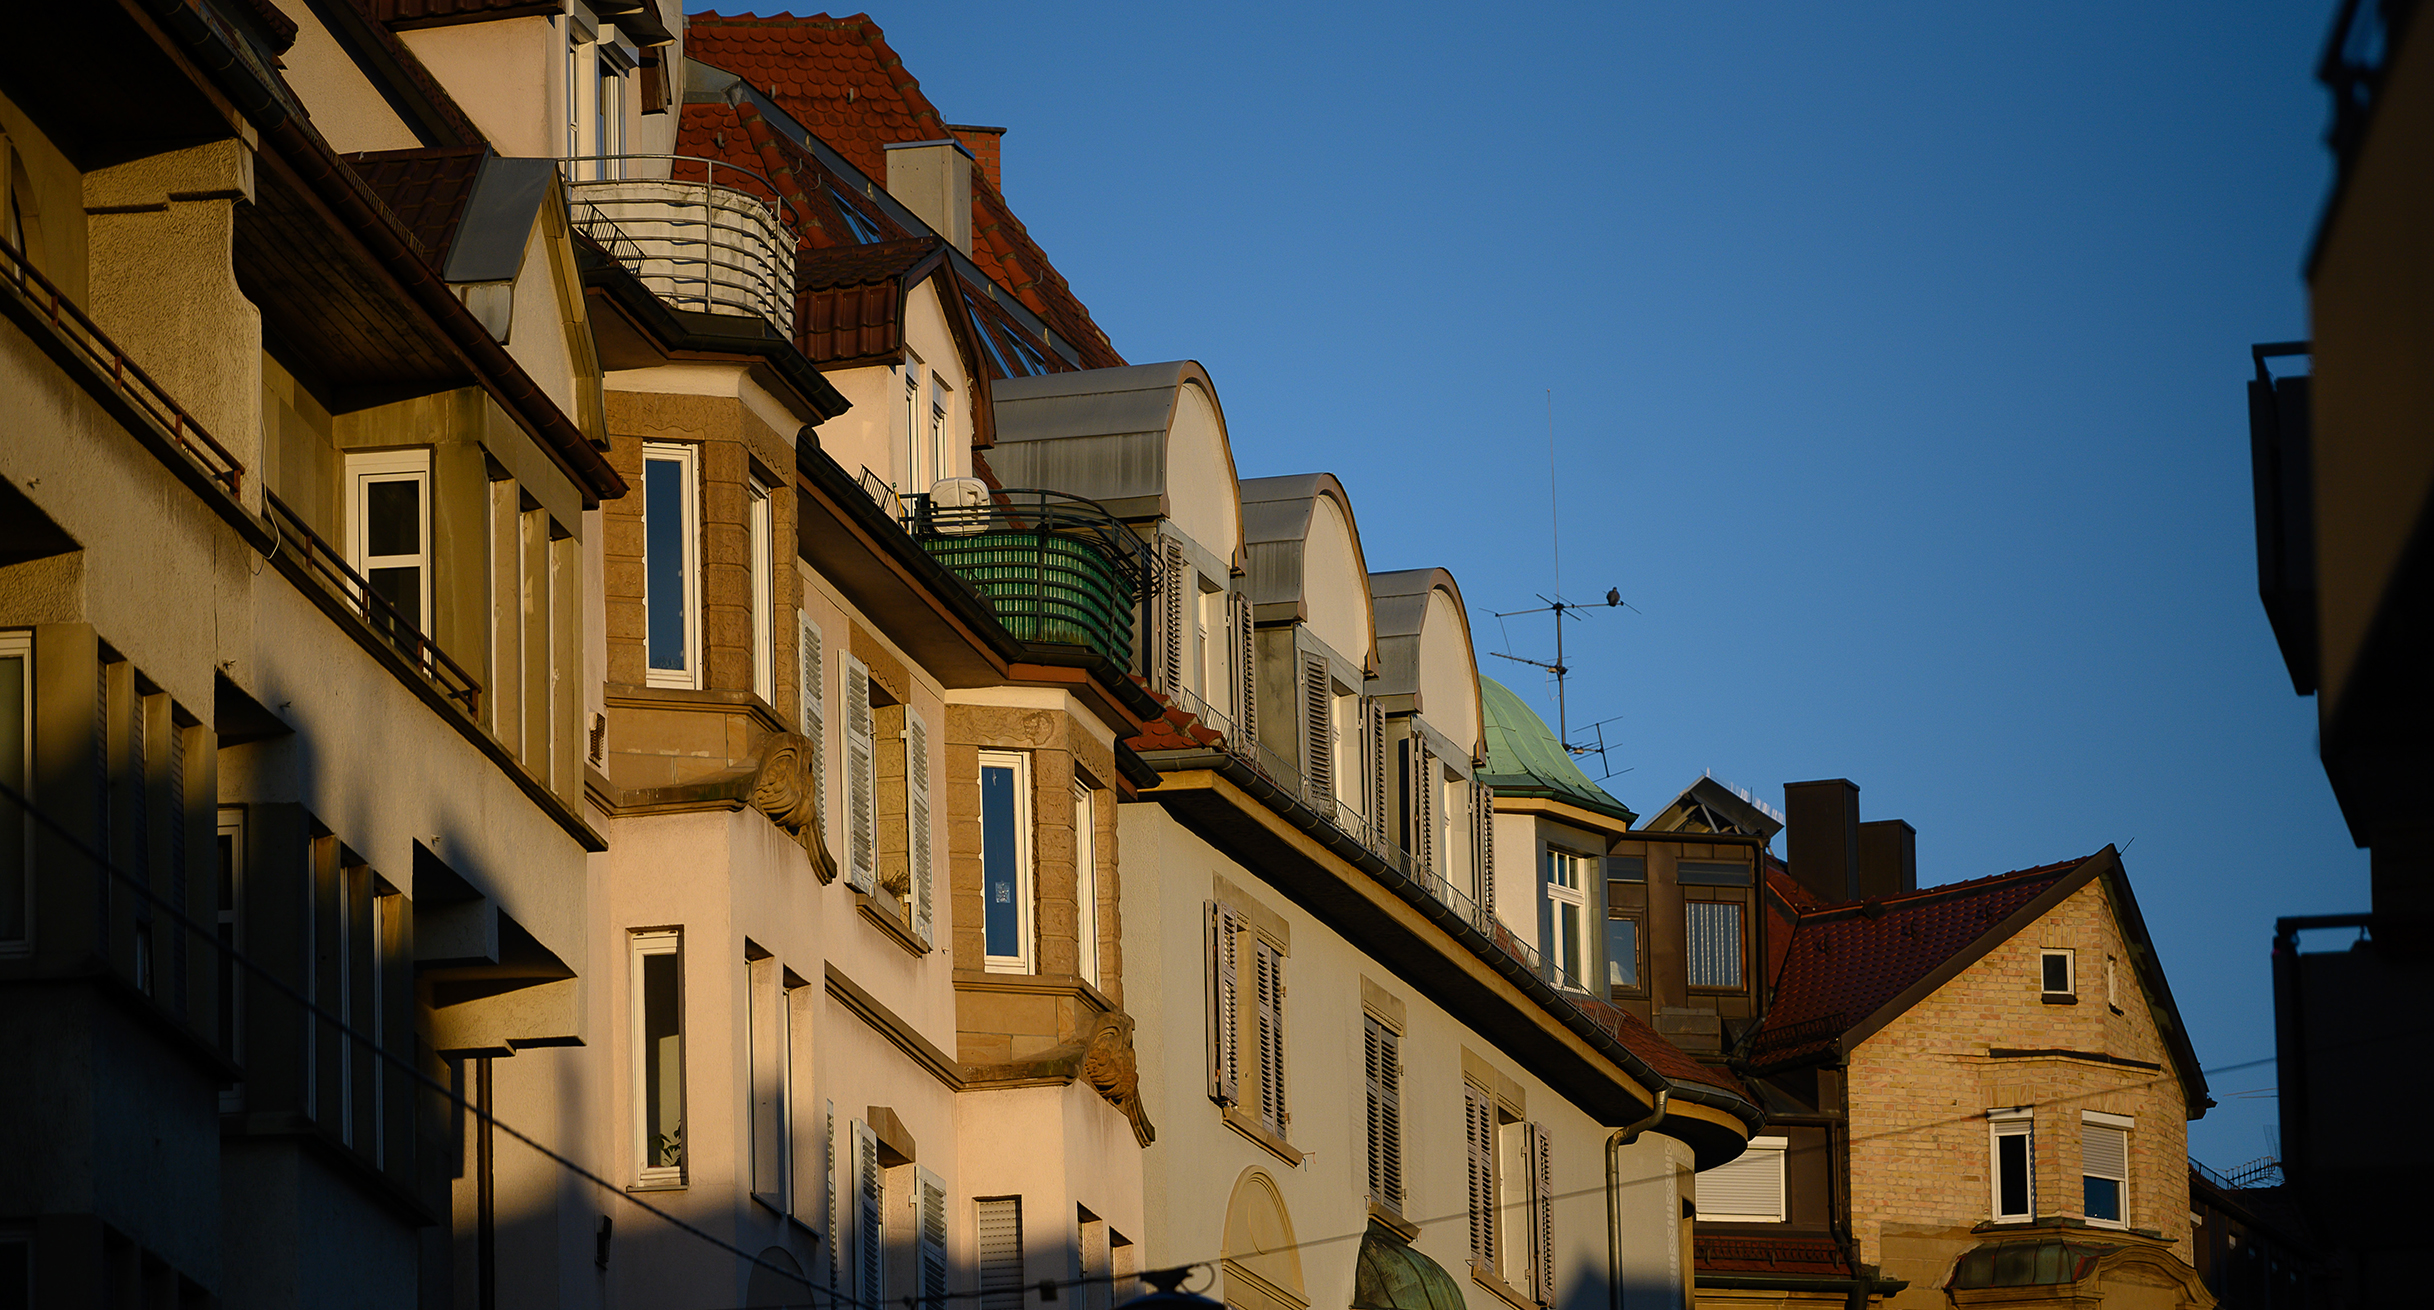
(1615, 1142)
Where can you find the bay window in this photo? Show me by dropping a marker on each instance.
(1005, 861)
(671, 526)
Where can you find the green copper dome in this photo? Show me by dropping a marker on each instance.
(1524, 759)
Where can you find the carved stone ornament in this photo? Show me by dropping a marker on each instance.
(783, 790)
(1108, 1065)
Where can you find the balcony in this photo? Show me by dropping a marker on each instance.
(1057, 569)
(702, 234)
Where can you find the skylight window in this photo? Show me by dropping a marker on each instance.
(1033, 364)
(988, 339)
(865, 231)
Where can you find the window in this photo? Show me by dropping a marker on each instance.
(766, 1110)
(1479, 1132)
(1622, 953)
(1714, 943)
(938, 461)
(861, 781)
(1234, 948)
(2112, 984)
(930, 1238)
(764, 630)
(389, 536)
(231, 931)
(908, 473)
(1512, 1195)
(671, 597)
(17, 773)
(1747, 1189)
(1001, 1252)
(657, 1002)
(870, 1218)
(2055, 969)
(1567, 916)
(2013, 1163)
(1085, 885)
(865, 231)
(608, 118)
(2104, 1167)
(1382, 1050)
(1005, 861)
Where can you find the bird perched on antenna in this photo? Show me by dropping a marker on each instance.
(1614, 596)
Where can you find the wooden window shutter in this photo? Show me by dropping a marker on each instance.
(1384, 1063)
(1542, 1212)
(931, 1237)
(1318, 735)
(917, 824)
(1484, 806)
(1225, 1005)
(861, 781)
(1246, 672)
(1173, 571)
(830, 1211)
(1001, 1253)
(1271, 965)
(1479, 1126)
(870, 1218)
(1376, 740)
(1424, 802)
(811, 707)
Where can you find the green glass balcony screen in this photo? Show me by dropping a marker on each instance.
(1056, 569)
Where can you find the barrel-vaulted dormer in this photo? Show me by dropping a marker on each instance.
(1148, 443)
(1427, 691)
(1316, 642)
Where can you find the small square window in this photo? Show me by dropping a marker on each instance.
(2056, 969)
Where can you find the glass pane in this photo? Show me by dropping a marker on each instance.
(1002, 913)
(403, 589)
(663, 1063)
(13, 827)
(1622, 953)
(2104, 1199)
(393, 517)
(1567, 941)
(2011, 1170)
(663, 517)
(2057, 973)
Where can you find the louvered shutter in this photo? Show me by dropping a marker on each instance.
(1375, 739)
(870, 1218)
(1384, 1061)
(1424, 806)
(1318, 735)
(811, 704)
(1749, 1189)
(1001, 1253)
(1172, 616)
(861, 781)
(932, 1238)
(1542, 1212)
(1272, 1111)
(1479, 1121)
(1487, 853)
(830, 1211)
(917, 822)
(1246, 672)
(1225, 1006)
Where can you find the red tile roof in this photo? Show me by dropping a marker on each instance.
(1791, 1257)
(839, 78)
(1845, 962)
(425, 189)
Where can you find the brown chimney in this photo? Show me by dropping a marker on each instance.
(983, 143)
(1888, 859)
(1821, 842)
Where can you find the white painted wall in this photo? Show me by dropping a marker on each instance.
(1335, 588)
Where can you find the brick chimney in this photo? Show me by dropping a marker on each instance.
(1888, 859)
(934, 180)
(1821, 841)
(983, 143)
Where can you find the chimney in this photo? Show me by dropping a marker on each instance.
(1821, 820)
(1888, 859)
(934, 180)
(983, 143)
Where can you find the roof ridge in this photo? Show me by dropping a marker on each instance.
(1949, 888)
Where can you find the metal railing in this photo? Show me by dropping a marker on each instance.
(701, 233)
(44, 300)
(2264, 1171)
(1057, 569)
(299, 544)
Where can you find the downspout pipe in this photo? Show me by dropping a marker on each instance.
(1615, 1142)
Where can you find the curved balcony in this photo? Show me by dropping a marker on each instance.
(1057, 569)
(702, 234)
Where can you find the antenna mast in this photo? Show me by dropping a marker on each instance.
(1556, 604)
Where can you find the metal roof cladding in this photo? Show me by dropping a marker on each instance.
(1524, 758)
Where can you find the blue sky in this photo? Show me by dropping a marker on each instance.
(1896, 355)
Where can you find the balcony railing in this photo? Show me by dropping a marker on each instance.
(35, 293)
(702, 234)
(1057, 569)
(304, 549)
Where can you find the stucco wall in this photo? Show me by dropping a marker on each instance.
(1335, 587)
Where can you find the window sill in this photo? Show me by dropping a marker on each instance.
(676, 1186)
(1504, 1291)
(1258, 1132)
(2061, 998)
(895, 928)
(1393, 1222)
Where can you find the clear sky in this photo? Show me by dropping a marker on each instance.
(1896, 356)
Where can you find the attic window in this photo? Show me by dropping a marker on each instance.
(865, 231)
(1029, 362)
(2057, 981)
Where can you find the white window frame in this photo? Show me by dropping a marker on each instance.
(759, 534)
(2120, 1123)
(642, 944)
(941, 409)
(687, 458)
(909, 475)
(1086, 884)
(2015, 1122)
(19, 644)
(1026, 883)
(363, 470)
(1574, 895)
(608, 112)
(1761, 1165)
(2070, 970)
